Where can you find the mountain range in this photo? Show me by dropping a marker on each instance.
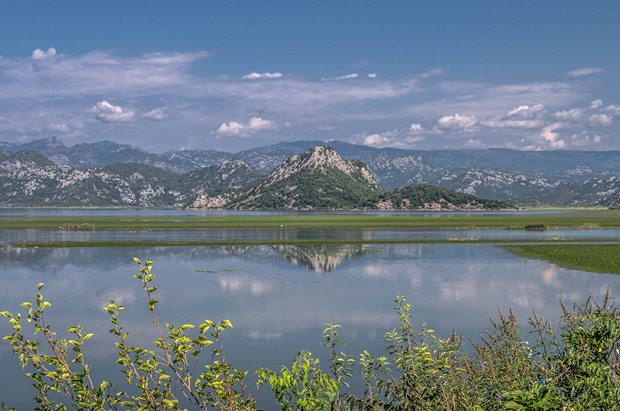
(568, 178)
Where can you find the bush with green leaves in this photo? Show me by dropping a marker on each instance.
(571, 367)
(158, 378)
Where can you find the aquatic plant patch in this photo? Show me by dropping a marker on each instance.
(597, 258)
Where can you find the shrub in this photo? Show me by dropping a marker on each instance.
(572, 367)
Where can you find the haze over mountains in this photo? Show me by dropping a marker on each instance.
(107, 170)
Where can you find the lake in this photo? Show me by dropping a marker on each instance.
(279, 297)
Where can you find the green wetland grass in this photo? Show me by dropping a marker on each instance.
(582, 219)
(587, 256)
(597, 258)
(297, 242)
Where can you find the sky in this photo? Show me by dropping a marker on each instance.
(232, 75)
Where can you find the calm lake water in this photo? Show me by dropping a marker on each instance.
(279, 297)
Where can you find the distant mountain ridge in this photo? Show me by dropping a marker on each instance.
(573, 178)
(318, 179)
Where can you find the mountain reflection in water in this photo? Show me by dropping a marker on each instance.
(321, 258)
(279, 297)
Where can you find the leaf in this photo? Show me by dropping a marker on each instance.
(511, 405)
(137, 261)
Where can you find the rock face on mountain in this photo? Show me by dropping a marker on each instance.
(30, 179)
(219, 185)
(321, 258)
(572, 178)
(318, 179)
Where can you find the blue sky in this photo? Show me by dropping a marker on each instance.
(230, 75)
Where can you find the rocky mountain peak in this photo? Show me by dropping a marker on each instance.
(45, 145)
(316, 179)
(320, 159)
(234, 163)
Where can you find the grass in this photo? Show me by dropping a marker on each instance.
(597, 258)
(601, 258)
(214, 243)
(584, 219)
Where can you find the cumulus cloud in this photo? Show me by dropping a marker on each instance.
(416, 127)
(600, 120)
(59, 128)
(457, 122)
(584, 139)
(574, 114)
(39, 54)
(109, 113)
(503, 113)
(156, 114)
(255, 124)
(596, 103)
(585, 71)
(392, 138)
(256, 76)
(522, 117)
(474, 143)
(381, 139)
(550, 135)
(526, 111)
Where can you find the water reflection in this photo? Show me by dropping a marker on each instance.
(278, 307)
(287, 234)
(321, 258)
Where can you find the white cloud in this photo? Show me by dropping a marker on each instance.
(94, 73)
(156, 114)
(59, 128)
(347, 76)
(255, 124)
(474, 143)
(161, 84)
(550, 135)
(514, 124)
(372, 75)
(391, 138)
(526, 111)
(457, 122)
(600, 120)
(574, 114)
(432, 73)
(585, 71)
(375, 139)
(416, 127)
(39, 54)
(596, 103)
(106, 112)
(522, 117)
(584, 139)
(256, 76)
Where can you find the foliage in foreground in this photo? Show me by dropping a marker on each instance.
(572, 368)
